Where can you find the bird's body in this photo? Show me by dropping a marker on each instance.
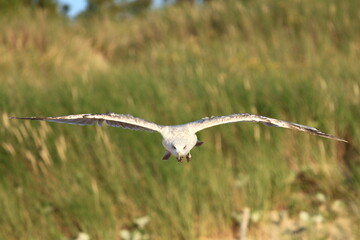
(178, 140)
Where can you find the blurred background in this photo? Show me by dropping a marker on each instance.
(172, 62)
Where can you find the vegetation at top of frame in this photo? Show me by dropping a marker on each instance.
(15, 5)
(293, 60)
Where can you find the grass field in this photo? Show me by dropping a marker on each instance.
(293, 60)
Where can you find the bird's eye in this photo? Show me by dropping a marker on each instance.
(184, 146)
(173, 146)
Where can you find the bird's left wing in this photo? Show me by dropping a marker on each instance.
(245, 117)
(111, 119)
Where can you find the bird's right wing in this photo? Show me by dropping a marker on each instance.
(245, 117)
(111, 119)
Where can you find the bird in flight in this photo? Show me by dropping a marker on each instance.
(178, 140)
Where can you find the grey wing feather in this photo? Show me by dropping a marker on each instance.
(111, 119)
(245, 117)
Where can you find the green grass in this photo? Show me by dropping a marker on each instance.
(295, 61)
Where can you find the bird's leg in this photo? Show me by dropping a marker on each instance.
(179, 159)
(199, 143)
(188, 157)
(167, 155)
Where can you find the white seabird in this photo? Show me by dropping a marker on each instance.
(178, 140)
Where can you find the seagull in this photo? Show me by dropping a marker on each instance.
(178, 140)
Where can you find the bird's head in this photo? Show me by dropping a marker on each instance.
(179, 149)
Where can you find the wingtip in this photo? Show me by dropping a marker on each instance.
(27, 118)
(316, 131)
(336, 138)
(342, 140)
(18, 118)
(15, 118)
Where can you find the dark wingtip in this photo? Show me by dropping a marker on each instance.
(27, 118)
(317, 132)
(16, 118)
(333, 137)
(340, 139)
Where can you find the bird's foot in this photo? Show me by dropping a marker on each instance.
(188, 157)
(179, 159)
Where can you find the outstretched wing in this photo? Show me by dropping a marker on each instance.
(245, 117)
(111, 119)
